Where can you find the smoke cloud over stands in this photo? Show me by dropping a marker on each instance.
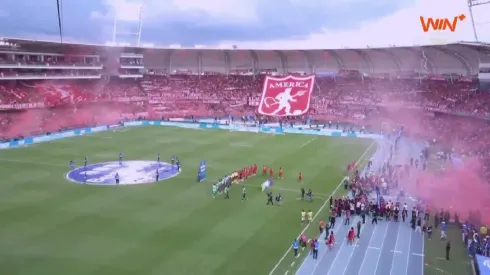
(460, 188)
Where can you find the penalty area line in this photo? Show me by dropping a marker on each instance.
(318, 212)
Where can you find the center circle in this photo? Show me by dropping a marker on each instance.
(130, 172)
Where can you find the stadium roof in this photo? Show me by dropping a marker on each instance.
(463, 57)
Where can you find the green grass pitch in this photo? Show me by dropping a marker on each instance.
(52, 226)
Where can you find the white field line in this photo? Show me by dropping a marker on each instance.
(362, 163)
(308, 142)
(318, 212)
(34, 163)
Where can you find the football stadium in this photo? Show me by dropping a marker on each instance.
(143, 160)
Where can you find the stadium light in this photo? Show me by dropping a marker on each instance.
(471, 5)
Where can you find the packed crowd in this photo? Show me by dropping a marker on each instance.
(52, 93)
(34, 107)
(378, 104)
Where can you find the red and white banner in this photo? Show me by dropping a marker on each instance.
(21, 106)
(286, 96)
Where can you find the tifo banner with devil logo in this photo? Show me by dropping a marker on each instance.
(286, 96)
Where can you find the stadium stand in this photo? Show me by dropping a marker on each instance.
(83, 85)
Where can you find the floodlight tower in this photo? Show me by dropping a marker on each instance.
(471, 5)
(136, 35)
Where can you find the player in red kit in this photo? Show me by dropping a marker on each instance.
(280, 173)
(271, 173)
(264, 171)
(300, 177)
(351, 236)
(353, 165)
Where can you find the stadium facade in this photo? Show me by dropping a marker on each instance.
(461, 59)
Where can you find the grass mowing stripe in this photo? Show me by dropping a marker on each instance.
(318, 212)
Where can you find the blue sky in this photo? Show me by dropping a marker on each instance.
(246, 23)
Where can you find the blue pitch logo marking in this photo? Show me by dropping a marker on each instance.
(130, 172)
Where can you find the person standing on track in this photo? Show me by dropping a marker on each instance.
(418, 228)
(295, 247)
(316, 246)
(332, 221)
(347, 217)
(321, 226)
(448, 248)
(375, 218)
(359, 229)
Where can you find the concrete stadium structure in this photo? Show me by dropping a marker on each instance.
(458, 58)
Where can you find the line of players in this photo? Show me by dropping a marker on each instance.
(223, 185)
(175, 161)
(280, 174)
(247, 172)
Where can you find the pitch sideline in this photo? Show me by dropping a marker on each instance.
(318, 212)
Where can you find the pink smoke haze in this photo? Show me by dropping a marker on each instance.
(460, 189)
(71, 105)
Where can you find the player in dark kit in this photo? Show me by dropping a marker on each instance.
(120, 158)
(72, 164)
(270, 198)
(116, 177)
(177, 162)
(157, 175)
(244, 194)
(309, 195)
(279, 199)
(85, 162)
(227, 195)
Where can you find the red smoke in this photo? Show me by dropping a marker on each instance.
(459, 189)
(75, 107)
